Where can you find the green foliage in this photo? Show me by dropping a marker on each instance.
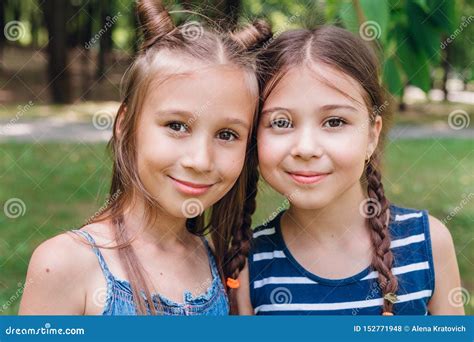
(410, 33)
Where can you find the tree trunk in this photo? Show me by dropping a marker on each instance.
(87, 24)
(224, 12)
(105, 39)
(135, 25)
(402, 106)
(2, 36)
(55, 12)
(232, 10)
(446, 68)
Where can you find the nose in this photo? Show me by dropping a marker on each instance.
(199, 156)
(307, 144)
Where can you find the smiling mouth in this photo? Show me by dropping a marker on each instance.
(189, 188)
(307, 177)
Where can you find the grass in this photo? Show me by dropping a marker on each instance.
(62, 185)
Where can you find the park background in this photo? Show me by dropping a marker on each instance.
(61, 63)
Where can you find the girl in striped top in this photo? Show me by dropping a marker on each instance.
(341, 247)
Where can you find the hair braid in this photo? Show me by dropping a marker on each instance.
(382, 257)
(240, 243)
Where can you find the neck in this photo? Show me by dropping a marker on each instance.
(332, 222)
(165, 231)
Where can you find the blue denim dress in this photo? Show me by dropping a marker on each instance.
(119, 298)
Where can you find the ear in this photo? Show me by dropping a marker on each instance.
(374, 135)
(119, 120)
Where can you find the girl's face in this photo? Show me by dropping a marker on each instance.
(312, 139)
(192, 137)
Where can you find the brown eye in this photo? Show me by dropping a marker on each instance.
(178, 126)
(227, 135)
(334, 123)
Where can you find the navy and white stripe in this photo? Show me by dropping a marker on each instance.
(279, 285)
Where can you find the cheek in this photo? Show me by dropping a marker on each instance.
(230, 163)
(347, 156)
(271, 151)
(155, 149)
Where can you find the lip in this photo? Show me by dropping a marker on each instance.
(307, 177)
(190, 188)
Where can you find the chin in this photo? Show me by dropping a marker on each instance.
(309, 202)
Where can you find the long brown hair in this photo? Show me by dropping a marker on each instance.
(343, 51)
(228, 221)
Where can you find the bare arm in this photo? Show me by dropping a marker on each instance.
(447, 279)
(243, 293)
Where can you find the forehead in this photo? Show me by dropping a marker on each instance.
(221, 82)
(316, 84)
(208, 93)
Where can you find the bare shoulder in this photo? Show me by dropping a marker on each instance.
(56, 278)
(60, 254)
(441, 239)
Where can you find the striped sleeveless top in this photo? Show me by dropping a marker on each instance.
(279, 285)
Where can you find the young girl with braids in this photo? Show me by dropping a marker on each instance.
(341, 248)
(179, 147)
